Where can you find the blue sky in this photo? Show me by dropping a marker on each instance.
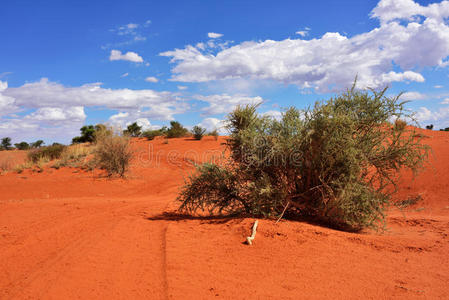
(64, 64)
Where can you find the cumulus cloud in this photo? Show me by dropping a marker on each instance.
(151, 79)
(214, 35)
(124, 75)
(57, 111)
(275, 114)
(7, 104)
(224, 103)
(410, 96)
(128, 56)
(213, 124)
(439, 117)
(394, 51)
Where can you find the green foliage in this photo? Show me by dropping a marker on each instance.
(214, 133)
(198, 132)
(37, 144)
(47, 153)
(151, 134)
(176, 130)
(133, 130)
(336, 162)
(22, 146)
(5, 144)
(445, 129)
(112, 152)
(88, 133)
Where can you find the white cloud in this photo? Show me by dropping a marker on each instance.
(410, 96)
(302, 33)
(438, 86)
(213, 124)
(57, 112)
(181, 87)
(439, 117)
(390, 10)
(275, 114)
(331, 62)
(124, 75)
(129, 56)
(128, 29)
(7, 104)
(445, 101)
(214, 35)
(151, 79)
(224, 103)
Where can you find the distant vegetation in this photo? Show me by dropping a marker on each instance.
(336, 163)
(133, 130)
(112, 152)
(198, 132)
(176, 130)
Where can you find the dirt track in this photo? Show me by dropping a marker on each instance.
(67, 234)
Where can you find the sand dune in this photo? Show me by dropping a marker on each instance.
(68, 234)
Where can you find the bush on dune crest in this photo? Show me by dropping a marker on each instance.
(112, 152)
(336, 162)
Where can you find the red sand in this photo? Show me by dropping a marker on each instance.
(68, 234)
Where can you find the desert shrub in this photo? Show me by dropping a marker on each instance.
(214, 133)
(445, 129)
(176, 130)
(112, 153)
(48, 153)
(400, 124)
(151, 134)
(37, 144)
(133, 130)
(336, 162)
(198, 132)
(429, 127)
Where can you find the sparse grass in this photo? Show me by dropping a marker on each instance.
(73, 156)
(49, 152)
(6, 164)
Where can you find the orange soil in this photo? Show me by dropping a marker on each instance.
(68, 234)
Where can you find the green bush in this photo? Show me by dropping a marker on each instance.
(22, 146)
(47, 153)
(176, 130)
(151, 134)
(198, 132)
(336, 162)
(112, 153)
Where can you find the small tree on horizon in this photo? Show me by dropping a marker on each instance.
(133, 130)
(6, 143)
(198, 132)
(22, 146)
